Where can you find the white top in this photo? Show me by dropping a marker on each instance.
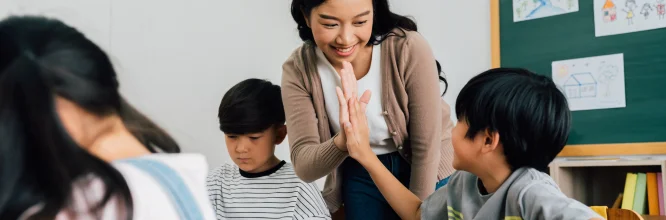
(380, 136)
(274, 194)
(149, 198)
(152, 202)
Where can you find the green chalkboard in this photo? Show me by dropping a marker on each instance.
(535, 44)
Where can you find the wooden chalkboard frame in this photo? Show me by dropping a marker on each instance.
(650, 148)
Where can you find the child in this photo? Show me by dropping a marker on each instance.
(630, 5)
(511, 125)
(259, 186)
(71, 147)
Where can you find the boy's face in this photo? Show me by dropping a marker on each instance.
(253, 152)
(468, 153)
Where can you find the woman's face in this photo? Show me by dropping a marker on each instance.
(342, 28)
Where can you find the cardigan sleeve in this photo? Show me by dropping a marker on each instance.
(311, 158)
(446, 158)
(425, 114)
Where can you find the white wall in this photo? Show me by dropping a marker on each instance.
(459, 34)
(176, 58)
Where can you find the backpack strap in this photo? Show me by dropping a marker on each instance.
(172, 183)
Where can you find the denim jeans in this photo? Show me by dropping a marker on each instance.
(361, 197)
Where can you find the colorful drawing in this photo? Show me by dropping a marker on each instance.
(571, 4)
(591, 82)
(607, 74)
(613, 17)
(562, 71)
(609, 11)
(581, 85)
(521, 9)
(661, 8)
(629, 5)
(545, 9)
(645, 11)
(533, 9)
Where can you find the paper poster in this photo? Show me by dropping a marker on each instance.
(625, 16)
(592, 82)
(532, 9)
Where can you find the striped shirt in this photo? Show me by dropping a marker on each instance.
(274, 194)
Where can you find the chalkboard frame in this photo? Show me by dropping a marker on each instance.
(642, 148)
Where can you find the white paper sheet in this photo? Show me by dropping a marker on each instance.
(532, 9)
(592, 82)
(625, 16)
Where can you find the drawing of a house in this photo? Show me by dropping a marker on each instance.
(580, 85)
(609, 12)
(545, 9)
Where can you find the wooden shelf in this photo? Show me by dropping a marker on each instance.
(607, 163)
(598, 181)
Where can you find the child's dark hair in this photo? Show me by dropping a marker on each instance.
(251, 106)
(528, 111)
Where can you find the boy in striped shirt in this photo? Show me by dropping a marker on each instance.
(259, 185)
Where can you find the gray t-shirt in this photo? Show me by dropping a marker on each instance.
(526, 194)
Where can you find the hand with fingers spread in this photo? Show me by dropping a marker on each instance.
(348, 91)
(357, 131)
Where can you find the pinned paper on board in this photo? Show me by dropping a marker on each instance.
(613, 17)
(532, 9)
(592, 82)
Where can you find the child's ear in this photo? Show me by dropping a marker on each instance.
(490, 140)
(281, 133)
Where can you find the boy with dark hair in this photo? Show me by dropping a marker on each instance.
(511, 125)
(259, 185)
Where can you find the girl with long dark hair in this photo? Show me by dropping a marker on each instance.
(62, 119)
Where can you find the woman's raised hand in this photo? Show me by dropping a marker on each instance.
(352, 111)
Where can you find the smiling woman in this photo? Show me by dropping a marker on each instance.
(409, 123)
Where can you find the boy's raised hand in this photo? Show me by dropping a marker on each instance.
(348, 92)
(357, 131)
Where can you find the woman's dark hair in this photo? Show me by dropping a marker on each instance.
(40, 59)
(384, 23)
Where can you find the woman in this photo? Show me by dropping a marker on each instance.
(61, 115)
(410, 122)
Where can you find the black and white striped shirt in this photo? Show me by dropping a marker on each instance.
(275, 194)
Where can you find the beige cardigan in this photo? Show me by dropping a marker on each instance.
(416, 115)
